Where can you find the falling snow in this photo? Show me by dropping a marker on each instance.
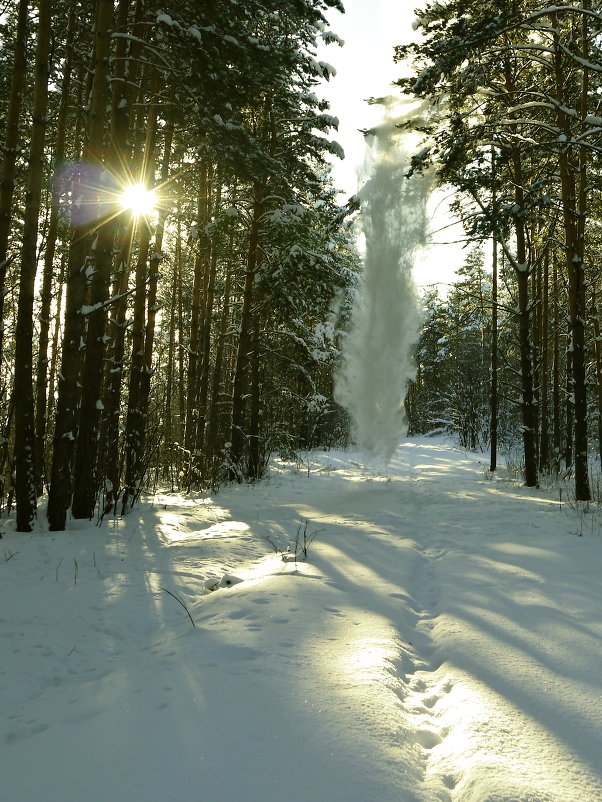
(385, 320)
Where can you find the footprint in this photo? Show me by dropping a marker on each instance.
(234, 614)
(428, 738)
(20, 735)
(431, 701)
(449, 782)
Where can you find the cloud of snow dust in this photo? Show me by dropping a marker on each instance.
(377, 353)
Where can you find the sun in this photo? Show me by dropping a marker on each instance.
(138, 199)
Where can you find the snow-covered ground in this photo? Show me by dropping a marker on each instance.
(442, 641)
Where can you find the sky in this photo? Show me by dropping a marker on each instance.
(365, 69)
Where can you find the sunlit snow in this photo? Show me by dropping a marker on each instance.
(441, 642)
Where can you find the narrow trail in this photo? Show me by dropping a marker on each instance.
(424, 687)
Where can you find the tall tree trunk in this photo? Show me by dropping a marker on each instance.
(59, 497)
(10, 152)
(218, 394)
(537, 338)
(48, 274)
(108, 438)
(151, 316)
(598, 352)
(168, 406)
(569, 405)
(54, 349)
(127, 156)
(544, 439)
(521, 270)
(556, 417)
(194, 362)
(6, 469)
(134, 424)
(237, 438)
(255, 455)
(493, 389)
(573, 189)
(85, 468)
(206, 337)
(25, 484)
(87, 479)
(528, 403)
(181, 383)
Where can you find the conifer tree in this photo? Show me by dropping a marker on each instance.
(520, 76)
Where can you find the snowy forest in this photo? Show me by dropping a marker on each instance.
(194, 340)
(191, 340)
(512, 118)
(283, 517)
(188, 341)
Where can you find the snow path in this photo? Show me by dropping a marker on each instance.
(442, 643)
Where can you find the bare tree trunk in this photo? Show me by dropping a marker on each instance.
(598, 352)
(544, 439)
(109, 462)
(171, 320)
(134, 424)
(48, 275)
(521, 270)
(181, 384)
(237, 438)
(85, 485)
(25, 484)
(573, 187)
(206, 338)
(569, 407)
(255, 455)
(88, 479)
(218, 394)
(127, 156)
(149, 333)
(10, 151)
(6, 468)
(556, 372)
(194, 362)
(66, 426)
(55, 345)
(528, 406)
(493, 390)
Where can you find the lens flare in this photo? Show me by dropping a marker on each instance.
(138, 199)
